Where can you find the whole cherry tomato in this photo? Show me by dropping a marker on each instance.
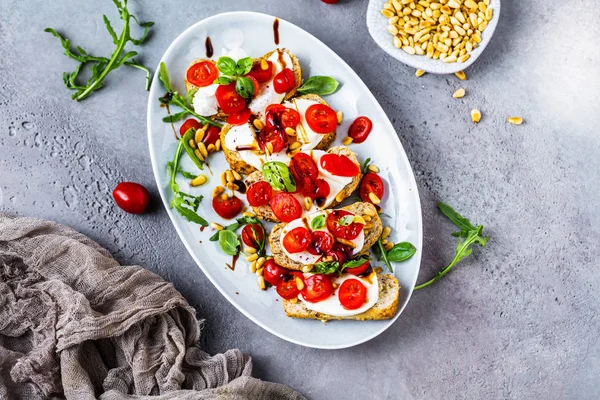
(131, 197)
(189, 123)
(360, 129)
(371, 183)
(253, 235)
(227, 207)
(273, 273)
(212, 135)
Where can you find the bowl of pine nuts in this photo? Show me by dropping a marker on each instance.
(436, 36)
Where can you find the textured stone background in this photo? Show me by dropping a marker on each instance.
(518, 320)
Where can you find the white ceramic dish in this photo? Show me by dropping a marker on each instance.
(254, 33)
(377, 25)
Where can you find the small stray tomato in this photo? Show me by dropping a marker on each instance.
(360, 269)
(227, 207)
(330, 1)
(259, 194)
(297, 240)
(253, 235)
(273, 273)
(131, 197)
(189, 123)
(371, 183)
(339, 165)
(239, 118)
(317, 288)
(256, 85)
(284, 81)
(285, 207)
(212, 135)
(352, 294)
(202, 73)
(360, 129)
(321, 118)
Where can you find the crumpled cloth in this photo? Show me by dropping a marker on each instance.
(76, 324)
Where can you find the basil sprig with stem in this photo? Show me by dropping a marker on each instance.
(100, 67)
(321, 85)
(234, 72)
(231, 228)
(333, 267)
(173, 97)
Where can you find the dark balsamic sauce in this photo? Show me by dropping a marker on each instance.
(276, 31)
(209, 47)
(233, 261)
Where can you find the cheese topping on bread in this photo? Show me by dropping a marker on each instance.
(205, 102)
(267, 94)
(309, 138)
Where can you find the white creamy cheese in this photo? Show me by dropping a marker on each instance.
(241, 136)
(267, 94)
(205, 101)
(309, 138)
(332, 305)
(304, 256)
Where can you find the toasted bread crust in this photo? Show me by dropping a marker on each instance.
(385, 308)
(372, 231)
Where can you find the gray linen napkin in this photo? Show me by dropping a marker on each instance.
(75, 323)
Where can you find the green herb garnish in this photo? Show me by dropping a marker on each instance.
(381, 254)
(238, 224)
(346, 220)
(365, 166)
(318, 222)
(229, 242)
(100, 67)
(278, 175)
(321, 85)
(401, 252)
(326, 267)
(234, 72)
(355, 263)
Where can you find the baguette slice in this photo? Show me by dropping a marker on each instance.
(372, 231)
(238, 164)
(265, 212)
(295, 67)
(385, 308)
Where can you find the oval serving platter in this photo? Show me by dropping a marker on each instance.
(253, 32)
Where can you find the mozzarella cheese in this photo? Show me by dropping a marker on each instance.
(309, 138)
(205, 101)
(267, 94)
(242, 137)
(332, 305)
(305, 257)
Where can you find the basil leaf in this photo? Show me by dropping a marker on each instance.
(355, 263)
(229, 242)
(226, 65)
(326, 267)
(346, 220)
(244, 65)
(318, 222)
(401, 252)
(163, 76)
(176, 117)
(245, 87)
(239, 223)
(463, 223)
(278, 175)
(223, 80)
(321, 85)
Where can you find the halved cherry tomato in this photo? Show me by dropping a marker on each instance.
(259, 194)
(315, 189)
(339, 252)
(272, 272)
(253, 235)
(349, 231)
(261, 75)
(256, 85)
(227, 208)
(285, 207)
(275, 108)
(371, 183)
(189, 123)
(271, 134)
(239, 118)
(284, 81)
(287, 287)
(282, 117)
(360, 129)
(321, 118)
(297, 240)
(229, 100)
(131, 197)
(321, 243)
(352, 294)
(317, 288)
(212, 134)
(358, 270)
(340, 165)
(202, 74)
(303, 166)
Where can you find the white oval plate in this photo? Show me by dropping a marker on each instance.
(377, 25)
(354, 99)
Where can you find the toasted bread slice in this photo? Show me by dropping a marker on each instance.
(238, 164)
(265, 212)
(295, 67)
(372, 230)
(385, 308)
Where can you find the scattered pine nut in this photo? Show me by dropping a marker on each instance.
(224, 196)
(308, 203)
(252, 257)
(261, 283)
(347, 140)
(307, 268)
(236, 175)
(359, 220)
(248, 214)
(335, 285)
(199, 180)
(366, 218)
(258, 124)
(386, 232)
(216, 226)
(290, 131)
(199, 135)
(249, 250)
(374, 199)
(193, 144)
(260, 262)
(199, 154)
(384, 242)
(461, 74)
(264, 65)
(211, 148)
(269, 148)
(419, 72)
(232, 186)
(299, 283)
(389, 246)
(459, 94)
(229, 176)
(475, 115)
(223, 178)
(295, 145)
(339, 197)
(253, 266)
(259, 271)
(340, 116)
(217, 191)
(218, 145)
(373, 168)
(202, 148)
(514, 120)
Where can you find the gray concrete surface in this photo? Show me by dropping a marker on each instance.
(518, 320)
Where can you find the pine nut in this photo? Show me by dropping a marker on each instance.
(253, 266)
(199, 154)
(192, 144)
(419, 73)
(264, 65)
(290, 131)
(258, 124)
(334, 285)
(488, 15)
(252, 257)
(464, 57)
(199, 135)
(259, 271)
(340, 116)
(232, 186)
(374, 199)
(229, 176)
(224, 196)
(373, 168)
(347, 140)
(299, 283)
(248, 214)
(261, 283)
(409, 50)
(295, 145)
(460, 93)
(461, 75)
(384, 241)
(249, 250)
(202, 149)
(339, 197)
(359, 220)
(386, 232)
(224, 178)
(236, 175)
(216, 226)
(260, 262)
(211, 148)
(387, 13)
(514, 120)
(389, 246)
(217, 191)
(475, 115)
(199, 180)
(218, 145)
(269, 148)
(392, 29)
(366, 218)
(307, 268)
(346, 242)
(308, 203)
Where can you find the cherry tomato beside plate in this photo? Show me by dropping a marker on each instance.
(358, 270)
(287, 287)
(189, 123)
(259, 194)
(297, 240)
(253, 235)
(371, 183)
(131, 197)
(339, 165)
(212, 135)
(284, 81)
(317, 288)
(229, 100)
(360, 129)
(321, 243)
(239, 118)
(202, 74)
(337, 225)
(227, 208)
(273, 273)
(352, 294)
(321, 118)
(261, 75)
(285, 207)
(330, 1)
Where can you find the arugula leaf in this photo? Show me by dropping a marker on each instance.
(262, 243)
(321, 85)
(318, 222)
(365, 166)
(381, 254)
(226, 65)
(345, 220)
(189, 150)
(401, 252)
(463, 223)
(163, 76)
(187, 175)
(187, 213)
(244, 65)
(100, 67)
(326, 267)
(278, 175)
(245, 87)
(223, 80)
(239, 223)
(176, 117)
(229, 242)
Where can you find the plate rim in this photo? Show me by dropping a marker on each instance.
(206, 271)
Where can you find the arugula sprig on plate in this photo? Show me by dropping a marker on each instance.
(229, 241)
(334, 267)
(100, 67)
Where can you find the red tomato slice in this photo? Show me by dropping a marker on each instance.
(273, 273)
(271, 134)
(281, 117)
(275, 108)
(339, 165)
(285, 207)
(349, 231)
(315, 189)
(256, 85)
(284, 81)
(131, 197)
(321, 118)
(339, 252)
(303, 166)
(212, 134)
(229, 100)
(227, 208)
(189, 123)
(352, 294)
(360, 129)
(371, 183)
(259, 194)
(239, 118)
(202, 74)
(261, 75)
(297, 240)
(253, 235)
(321, 243)
(287, 287)
(330, 1)
(360, 269)
(317, 288)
